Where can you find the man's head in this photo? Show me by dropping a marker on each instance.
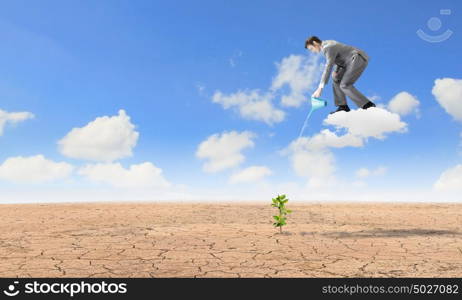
(313, 43)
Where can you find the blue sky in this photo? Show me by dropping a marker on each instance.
(71, 62)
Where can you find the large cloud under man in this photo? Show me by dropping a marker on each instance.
(311, 157)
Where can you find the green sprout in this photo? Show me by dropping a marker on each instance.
(279, 202)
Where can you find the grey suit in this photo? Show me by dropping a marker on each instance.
(350, 62)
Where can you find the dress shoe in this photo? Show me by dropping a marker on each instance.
(341, 108)
(368, 104)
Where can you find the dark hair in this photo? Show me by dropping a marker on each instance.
(311, 39)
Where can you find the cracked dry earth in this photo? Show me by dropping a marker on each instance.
(230, 240)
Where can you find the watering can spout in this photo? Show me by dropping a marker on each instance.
(316, 103)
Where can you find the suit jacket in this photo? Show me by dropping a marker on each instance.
(339, 54)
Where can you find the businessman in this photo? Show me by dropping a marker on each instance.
(350, 63)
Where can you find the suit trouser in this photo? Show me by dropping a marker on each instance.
(344, 79)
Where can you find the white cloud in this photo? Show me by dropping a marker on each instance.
(13, 118)
(300, 73)
(311, 156)
(312, 160)
(103, 139)
(327, 138)
(223, 151)
(365, 172)
(404, 103)
(318, 166)
(33, 169)
(144, 175)
(448, 93)
(373, 122)
(250, 174)
(450, 180)
(252, 105)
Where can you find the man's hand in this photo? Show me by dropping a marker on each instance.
(317, 93)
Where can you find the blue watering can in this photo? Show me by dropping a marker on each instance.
(316, 103)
